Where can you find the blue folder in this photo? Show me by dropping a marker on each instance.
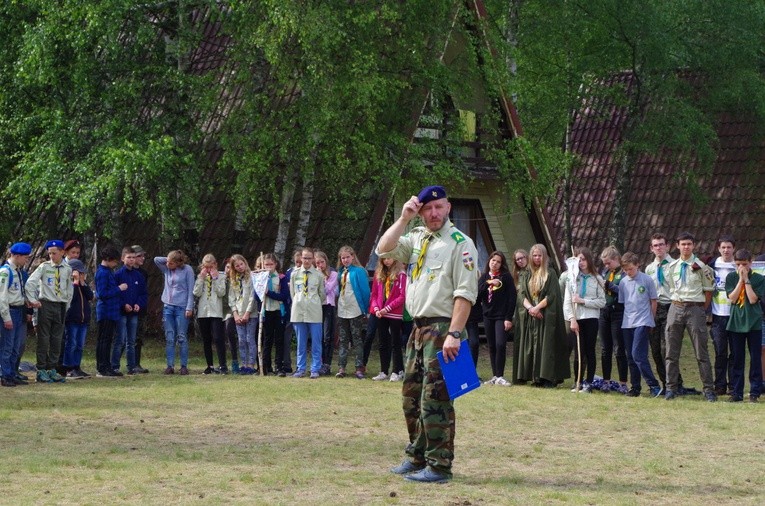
(459, 374)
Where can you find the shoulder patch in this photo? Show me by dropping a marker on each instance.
(467, 260)
(458, 237)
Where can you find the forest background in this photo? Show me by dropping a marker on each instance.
(106, 113)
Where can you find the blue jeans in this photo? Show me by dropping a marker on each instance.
(176, 327)
(11, 341)
(126, 332)
(302, 330)
(75, 343)
(248, 342)
(740, 342)
(636, 347)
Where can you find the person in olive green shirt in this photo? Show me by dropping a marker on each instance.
(745, 288)
(691, 283)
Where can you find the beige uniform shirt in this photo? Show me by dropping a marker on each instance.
(594, 297)
(662, 290)
(307, 302)
(240, 294)
(11, 293)
(448, 271)
(210, 293)
(273, 285)
(347, 305)
(695, 283)
(51, 282)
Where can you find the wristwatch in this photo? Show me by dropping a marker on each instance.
(455, 333)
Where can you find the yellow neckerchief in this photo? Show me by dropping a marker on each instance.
(741, 297)
(388, 284)
(421, 257)
(57, 284)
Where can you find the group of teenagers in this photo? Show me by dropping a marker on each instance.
(634, 314)
(266, 306)
(637, 314)
(310, 299)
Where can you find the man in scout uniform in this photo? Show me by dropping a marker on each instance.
(657, 270)
(691, 283)
(50, 289)
(14, 313)
(441, 290)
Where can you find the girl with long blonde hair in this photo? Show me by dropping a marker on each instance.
(541, 354)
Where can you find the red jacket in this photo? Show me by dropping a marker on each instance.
(395, 302)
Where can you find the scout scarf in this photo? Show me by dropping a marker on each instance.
(421, 257)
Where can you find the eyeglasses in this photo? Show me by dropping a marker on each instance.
(517, 259)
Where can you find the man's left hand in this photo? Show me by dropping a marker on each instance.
(451, 348)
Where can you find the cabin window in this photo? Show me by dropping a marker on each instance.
(468, 216)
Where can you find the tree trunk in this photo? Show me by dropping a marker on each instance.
(305, 210)
(617, 232)
(285, 216)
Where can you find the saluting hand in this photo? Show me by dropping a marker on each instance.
(411, 208)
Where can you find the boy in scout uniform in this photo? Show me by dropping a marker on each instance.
(14, 313)
(691, 283)
(442, 288)
(50, 290)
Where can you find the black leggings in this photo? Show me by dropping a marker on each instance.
(612, 341)
(273, 336)
(233, 340)
(496, 338)
(212, 330)
(389, 334)
(588, 337)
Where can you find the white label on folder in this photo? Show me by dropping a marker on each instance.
(463, 386)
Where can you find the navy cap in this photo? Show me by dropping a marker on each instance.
(430, 193)
(77, 265)
(54, 243)
(21, 248)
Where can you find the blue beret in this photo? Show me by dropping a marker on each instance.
(21, 248)
(431, 193)
(54, 243)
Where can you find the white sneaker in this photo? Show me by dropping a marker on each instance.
(380, 377)
(395, 377)
(502, 382)
(491, 381)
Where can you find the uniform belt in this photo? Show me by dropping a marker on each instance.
(615, 306)
(427, 322)
(682, 304)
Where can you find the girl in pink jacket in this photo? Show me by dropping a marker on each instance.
(387, 303)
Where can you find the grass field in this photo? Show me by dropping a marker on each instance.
(157, 439)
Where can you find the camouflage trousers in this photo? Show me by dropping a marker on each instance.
(428, 411)
(351, 332)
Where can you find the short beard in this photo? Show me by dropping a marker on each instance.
(443, 222)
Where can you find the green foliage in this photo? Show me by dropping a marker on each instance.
(689, 60)
(338, 84)
(95, 112)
